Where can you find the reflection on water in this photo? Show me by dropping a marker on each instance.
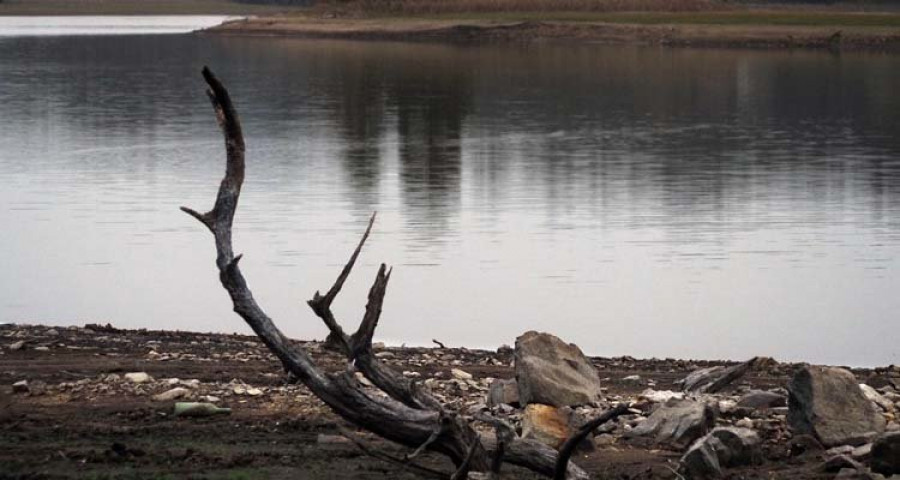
(642, 201)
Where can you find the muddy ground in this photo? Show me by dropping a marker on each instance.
(80, 417)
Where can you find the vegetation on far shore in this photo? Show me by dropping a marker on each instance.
(639, 12)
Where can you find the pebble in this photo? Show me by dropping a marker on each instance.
(744, 423)
(17, 345)
(170, 395)
(20, 387)
(138, 377)
(460, 374)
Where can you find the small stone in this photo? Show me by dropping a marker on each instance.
(20, 387)
(193, 383)
(52, 332)
(460, 374)
(211, 399)
(385, 355)
(604, 440)
(239, 390)
(862, 453)
(42, 348)
(17, 345)
(659, 396)
(254, 392)
(744, 423)
(840, 450)
(727, 406)
(170, 395)
(632, 378)
(138, 377)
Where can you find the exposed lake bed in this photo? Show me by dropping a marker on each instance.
(83, 400)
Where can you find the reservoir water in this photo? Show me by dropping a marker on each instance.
(637, 201)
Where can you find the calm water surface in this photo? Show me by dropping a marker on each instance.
(640, 201)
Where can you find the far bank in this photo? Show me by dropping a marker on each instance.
(856, 31)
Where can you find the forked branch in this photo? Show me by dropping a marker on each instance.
(408, 415)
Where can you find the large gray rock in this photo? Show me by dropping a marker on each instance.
(886, 454)
(553, 372)
(826, 402)
(724, 447)
(678, 422)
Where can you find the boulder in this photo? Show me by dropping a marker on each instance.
(553, 372)
(886, 454)
(761, 399)
(678, 422)
(503, 392)
(546, 424)
(827, 403)
(723, 447)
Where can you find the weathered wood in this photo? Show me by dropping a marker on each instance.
(408, 415)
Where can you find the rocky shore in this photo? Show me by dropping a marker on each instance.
(96, 401)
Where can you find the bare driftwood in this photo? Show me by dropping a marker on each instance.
(714, 379)
(407, 415)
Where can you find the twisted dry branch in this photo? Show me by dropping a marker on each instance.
(408, 415)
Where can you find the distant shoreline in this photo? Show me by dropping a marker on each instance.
(725, 26)
(832, 37)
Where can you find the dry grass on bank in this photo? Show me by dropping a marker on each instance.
(439, 7)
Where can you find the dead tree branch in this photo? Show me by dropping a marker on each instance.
(409, 415)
